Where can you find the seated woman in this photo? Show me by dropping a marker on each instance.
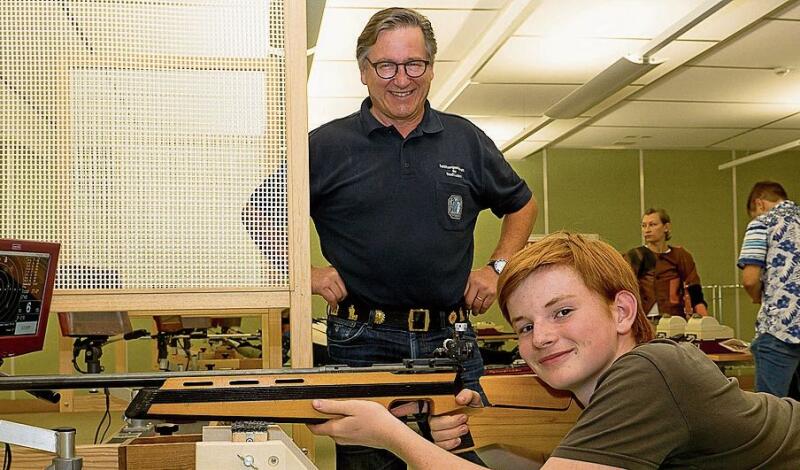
(648, 403)
(665, 273)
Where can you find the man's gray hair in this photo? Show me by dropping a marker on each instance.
(389, 19)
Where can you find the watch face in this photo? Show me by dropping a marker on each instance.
(499, 265)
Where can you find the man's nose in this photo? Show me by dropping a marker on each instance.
(401, 78)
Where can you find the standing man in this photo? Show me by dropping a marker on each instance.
(396, 189)
(770, 260)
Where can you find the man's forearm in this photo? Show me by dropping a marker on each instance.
(516, 229)
(754, 291)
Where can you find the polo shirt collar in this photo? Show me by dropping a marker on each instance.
(431, 122)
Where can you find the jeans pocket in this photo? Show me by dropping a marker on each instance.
(342, 332)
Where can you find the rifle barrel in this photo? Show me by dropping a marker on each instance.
(156, 379)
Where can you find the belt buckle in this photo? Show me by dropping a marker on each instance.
(412, 318)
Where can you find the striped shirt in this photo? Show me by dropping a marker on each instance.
(772, 242)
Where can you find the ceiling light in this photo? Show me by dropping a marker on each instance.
(620, 74)
(759, 155)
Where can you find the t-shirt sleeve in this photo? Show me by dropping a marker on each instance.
(632, 420)
(504, 191)
(754, 246)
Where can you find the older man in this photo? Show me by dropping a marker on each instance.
(396, 189)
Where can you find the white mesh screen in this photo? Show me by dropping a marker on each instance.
(135, 131)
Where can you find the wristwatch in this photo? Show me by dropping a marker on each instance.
(498, 265)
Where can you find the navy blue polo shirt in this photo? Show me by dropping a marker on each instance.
(395, 215)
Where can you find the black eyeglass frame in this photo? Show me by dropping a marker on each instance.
(397, 67)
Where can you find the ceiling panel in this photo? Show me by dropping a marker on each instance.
(502, 128)
(791, 122)
(508, 100)
(645, 138)
(606, 19)
(791, 13)
(556, 128)
(456, 31)
(760, 139)
(527, 59)
(758, 47)
(672, 114)
(731, 18)
(726, 84)
(524, 149)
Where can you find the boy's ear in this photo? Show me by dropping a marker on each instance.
(624, 309)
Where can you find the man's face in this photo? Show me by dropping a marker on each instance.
(401, 99)
(568, 334)
(653, 230)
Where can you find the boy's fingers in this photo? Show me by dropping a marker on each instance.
(449, 444)
(441, 423)
(469, 397)
(333, 407)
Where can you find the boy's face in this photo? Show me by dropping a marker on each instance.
(568, 334)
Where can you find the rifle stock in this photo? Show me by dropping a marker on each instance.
(523, 412)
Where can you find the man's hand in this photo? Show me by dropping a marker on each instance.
(447, 430)
(362, 422)
(481, 289)
(327, 283)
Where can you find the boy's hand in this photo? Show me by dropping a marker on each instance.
(447, 430)
(361, 422)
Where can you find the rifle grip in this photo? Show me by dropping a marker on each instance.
(466, 444)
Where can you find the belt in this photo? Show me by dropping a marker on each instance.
(412, 319)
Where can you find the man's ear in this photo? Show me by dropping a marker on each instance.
(624, 309)
(364, 72)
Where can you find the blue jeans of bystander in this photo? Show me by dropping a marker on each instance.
(776, 364)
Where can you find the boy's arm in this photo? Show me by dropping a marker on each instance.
(751, 280)
(370, 424)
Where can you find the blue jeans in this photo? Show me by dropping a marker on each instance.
(360, 345)
(776, 364)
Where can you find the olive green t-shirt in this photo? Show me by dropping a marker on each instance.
(666, 405)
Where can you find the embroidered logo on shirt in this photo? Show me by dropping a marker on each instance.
(455, 206)
(452, 171)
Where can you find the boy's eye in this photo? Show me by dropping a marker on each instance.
(527, 328)
(563, 312)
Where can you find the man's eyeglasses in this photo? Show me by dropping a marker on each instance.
(387, 70)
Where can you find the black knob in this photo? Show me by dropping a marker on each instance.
(166, 429)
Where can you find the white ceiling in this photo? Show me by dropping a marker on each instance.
(718, 87)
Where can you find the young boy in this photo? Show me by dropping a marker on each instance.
(648, 403)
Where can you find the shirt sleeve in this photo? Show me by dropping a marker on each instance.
(504, 191)
(754, 246)
(632, 420)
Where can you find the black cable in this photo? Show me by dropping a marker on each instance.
(103, 419)
(7, 457)
(108, 414)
